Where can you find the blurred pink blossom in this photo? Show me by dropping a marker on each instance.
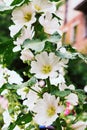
(3, 102)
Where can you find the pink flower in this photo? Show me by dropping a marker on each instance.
(67, 112)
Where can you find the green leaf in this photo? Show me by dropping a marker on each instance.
(61, 93)
(29, 84)
(24, 118)
(12, 126)
(21, 120)
(81, 95)
(85, 107)
(54, 38)
(57, 124)
(15, 2)
(36, 45)
(67, 55)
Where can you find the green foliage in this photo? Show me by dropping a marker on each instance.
(77, 72)
(6, 43)
(61, 93)
(21, 120)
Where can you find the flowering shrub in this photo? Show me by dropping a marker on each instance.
(45, 99)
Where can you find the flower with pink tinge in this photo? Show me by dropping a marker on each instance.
(26, 55)
(41, 83)
(3, 102)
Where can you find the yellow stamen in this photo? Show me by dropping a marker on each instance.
(27, 17)
(38, 8)
(46, 69)
(51, 111)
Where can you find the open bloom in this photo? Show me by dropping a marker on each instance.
(47, 110)
(24, 15)
(43, 6)
(49, 24)
(46, 66)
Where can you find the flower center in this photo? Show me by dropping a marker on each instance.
(27, 17)
(38, 8)
(51, 111)
(46, 69)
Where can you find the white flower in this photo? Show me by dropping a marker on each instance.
(57, 80)
(24, 15)
(15, 29)
(80, 125)
(26, 54)
(26, 33)
(46, 66)
(49, 24)
(22, 92)
(47, 110)
(72, 99)
(7, 119)
(85, 88)
(12, 77)
(63, 86)
(43, 6)
(32, 97)
(2, 79)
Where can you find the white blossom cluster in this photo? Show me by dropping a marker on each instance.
(46, 66)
